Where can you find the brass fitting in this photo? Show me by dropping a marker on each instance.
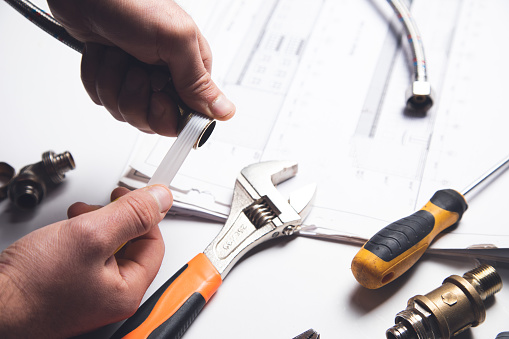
(185, 117)
(28, 188)
(450, 309)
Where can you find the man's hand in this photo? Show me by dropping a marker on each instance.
(155, 32)
(65, 279)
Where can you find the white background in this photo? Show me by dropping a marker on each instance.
(280, 291)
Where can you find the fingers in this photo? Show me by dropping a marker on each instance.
(163, 117)
(128, 89)
(166, 35)
(103, 71)
(118, 192)
(136, 215)
(80, 208)
(140, 260)
(130, 216)
(109, 79)
(90, 63)
(133, 98)
(96, 233)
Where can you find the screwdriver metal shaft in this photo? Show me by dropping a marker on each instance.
(486, 178)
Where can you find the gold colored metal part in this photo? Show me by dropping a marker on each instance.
(185, 117)
(450, 309)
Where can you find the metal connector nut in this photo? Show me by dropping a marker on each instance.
(419, 96)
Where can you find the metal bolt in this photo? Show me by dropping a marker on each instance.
(289, 230)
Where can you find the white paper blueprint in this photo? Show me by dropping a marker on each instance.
(323, 82)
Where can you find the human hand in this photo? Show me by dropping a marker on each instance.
(155, 32)
(64, 279)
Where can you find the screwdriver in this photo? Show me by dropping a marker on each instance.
(398, 246)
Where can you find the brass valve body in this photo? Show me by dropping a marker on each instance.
(450, 309)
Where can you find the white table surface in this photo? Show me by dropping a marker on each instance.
(281, 290)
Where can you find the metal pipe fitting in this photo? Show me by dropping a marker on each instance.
(187, 116)
(419, 96)
(450, 309)
(27, 189)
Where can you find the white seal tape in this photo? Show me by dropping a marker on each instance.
(178, 152)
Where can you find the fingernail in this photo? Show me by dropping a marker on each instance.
(222, 107)
(163, 197)
(156, 109)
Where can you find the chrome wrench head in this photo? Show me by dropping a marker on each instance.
(260, 181)
(259, 212)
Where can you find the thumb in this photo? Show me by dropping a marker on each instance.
(190, 67)
(129, 217)
(202, 94)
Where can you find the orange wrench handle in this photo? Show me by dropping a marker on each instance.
(169, 312)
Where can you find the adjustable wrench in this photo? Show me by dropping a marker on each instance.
(259, 213)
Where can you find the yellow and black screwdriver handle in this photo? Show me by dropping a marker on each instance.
(170, 311)
(395, 248)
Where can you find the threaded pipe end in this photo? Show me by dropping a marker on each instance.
(400, 331)
(410, 324)
(485, 280)
(26, 195)
(64, 162)
(57, 165)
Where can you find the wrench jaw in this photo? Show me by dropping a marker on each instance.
(259, 213)
(302, 201)
(263, 176)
